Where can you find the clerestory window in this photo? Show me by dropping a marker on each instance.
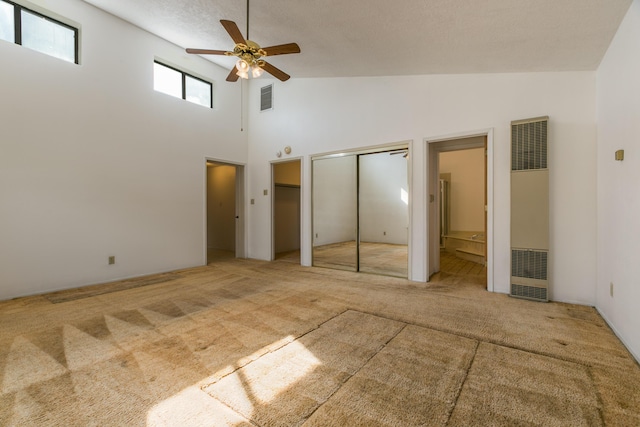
(177, 83)
(36, 31)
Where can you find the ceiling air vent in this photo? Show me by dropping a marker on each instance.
(266, 98)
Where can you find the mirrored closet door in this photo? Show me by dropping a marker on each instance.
(361, 213)
(335, 213)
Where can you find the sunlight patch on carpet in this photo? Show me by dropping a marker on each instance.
(192, 407)
(284, 387)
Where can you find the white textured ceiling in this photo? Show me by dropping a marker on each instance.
(402, 37)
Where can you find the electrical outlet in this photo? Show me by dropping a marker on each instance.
(265, 192)
(384, 233)
(112, 260)
(316, 235)
(611, 289)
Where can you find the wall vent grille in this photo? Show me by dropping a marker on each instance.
(529, 209)
(266, 98)
(529, 292)
(529, 145)
(529, 264)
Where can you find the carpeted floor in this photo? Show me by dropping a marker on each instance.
(249, 343)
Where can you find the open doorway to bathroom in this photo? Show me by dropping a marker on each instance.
(460, 212)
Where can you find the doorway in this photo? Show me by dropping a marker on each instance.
(286, 214)
(460, 208)
(224, 235)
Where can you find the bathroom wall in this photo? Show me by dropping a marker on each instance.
(466, 188)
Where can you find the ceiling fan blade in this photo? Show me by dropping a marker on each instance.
(206, 51)
(233, 77)
(282, 49)
(233, 31)
(275, 72)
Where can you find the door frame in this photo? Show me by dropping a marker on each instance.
(240, 187)
(452, 142)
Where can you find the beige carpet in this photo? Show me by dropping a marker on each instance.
(248, 343)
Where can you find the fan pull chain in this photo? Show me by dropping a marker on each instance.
(241, 83)
(247, 19)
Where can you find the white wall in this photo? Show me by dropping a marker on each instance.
(94, 163)
(466, 188)
(324, 115)
(618, 102)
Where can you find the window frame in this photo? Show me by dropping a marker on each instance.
(183, 75)
(17, 24)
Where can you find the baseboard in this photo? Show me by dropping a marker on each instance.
(75, 286)
(615, 331)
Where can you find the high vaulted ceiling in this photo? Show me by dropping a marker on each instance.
(383, 38)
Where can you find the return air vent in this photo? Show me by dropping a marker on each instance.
(529, 209)
(529, 292)
(266, 98)
(529, 264)
(529, 145)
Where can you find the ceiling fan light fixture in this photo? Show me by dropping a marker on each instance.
(242, 65)
(256, 71)
(249, 54)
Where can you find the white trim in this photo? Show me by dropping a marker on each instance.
(410, 239)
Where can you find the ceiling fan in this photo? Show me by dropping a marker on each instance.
(250, 54)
